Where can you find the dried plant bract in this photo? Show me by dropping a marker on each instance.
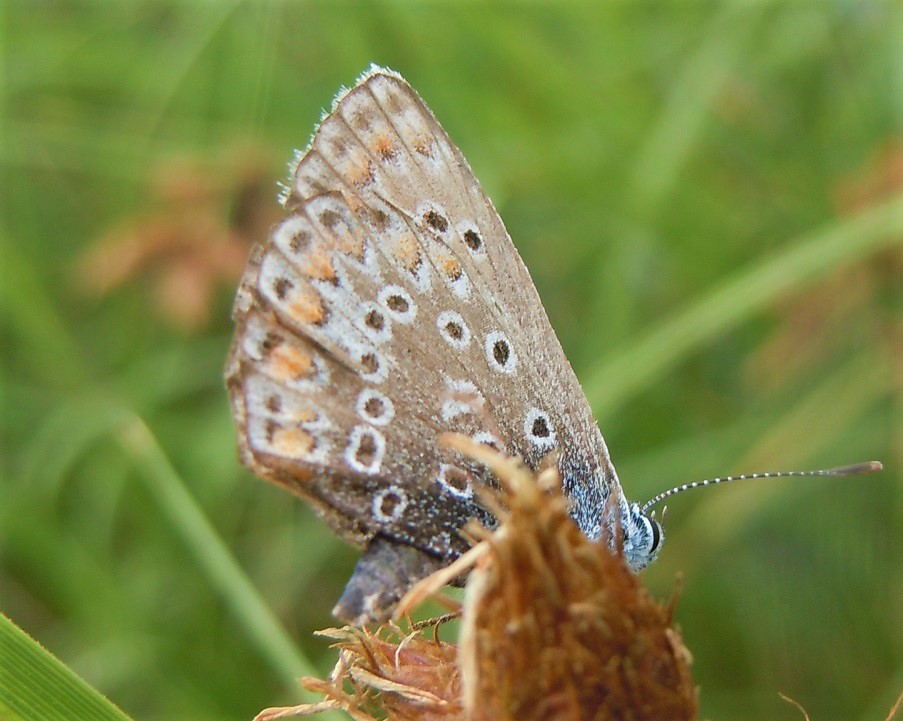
(554, 627)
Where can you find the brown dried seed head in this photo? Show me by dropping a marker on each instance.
(558, 627)
(554, 627)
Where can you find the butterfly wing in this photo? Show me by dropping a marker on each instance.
(389, 307)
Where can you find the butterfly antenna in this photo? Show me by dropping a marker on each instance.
(856, 469)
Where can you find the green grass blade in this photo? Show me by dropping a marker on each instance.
(27, 305)
(727, 305)
(34, 684)
(689, 106)
(212, 555)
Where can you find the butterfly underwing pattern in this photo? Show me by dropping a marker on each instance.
(388, 308)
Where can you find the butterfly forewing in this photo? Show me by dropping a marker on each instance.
(390, 307)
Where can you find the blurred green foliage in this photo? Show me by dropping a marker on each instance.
(644, 157)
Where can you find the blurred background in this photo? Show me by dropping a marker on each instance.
(707, 196)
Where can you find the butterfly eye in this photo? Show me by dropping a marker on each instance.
(656, 530)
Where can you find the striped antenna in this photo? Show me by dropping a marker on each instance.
(854, 470)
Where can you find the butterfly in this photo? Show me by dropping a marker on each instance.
(390, 307)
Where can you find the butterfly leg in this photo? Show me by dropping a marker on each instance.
(381, 578)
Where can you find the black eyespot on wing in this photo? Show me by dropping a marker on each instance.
(270, 341)
(398, 304)
(282, 286)
(374, 320)
(501, 352)
(374, 407)
(300, 240)
(473, 240)
(366, 450)
(436, 221)
(370, 363)
(541, 428)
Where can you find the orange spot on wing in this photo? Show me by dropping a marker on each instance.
(287, 362)
(407, 251)
(302, 415)
(360, 172)
(293, 442)
(319, 265)
(355, 204)
(384, 146)
(307, 308)
(352, 245)
(452, 268)
(423, 145)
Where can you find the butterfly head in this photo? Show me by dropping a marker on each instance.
(643, 536)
